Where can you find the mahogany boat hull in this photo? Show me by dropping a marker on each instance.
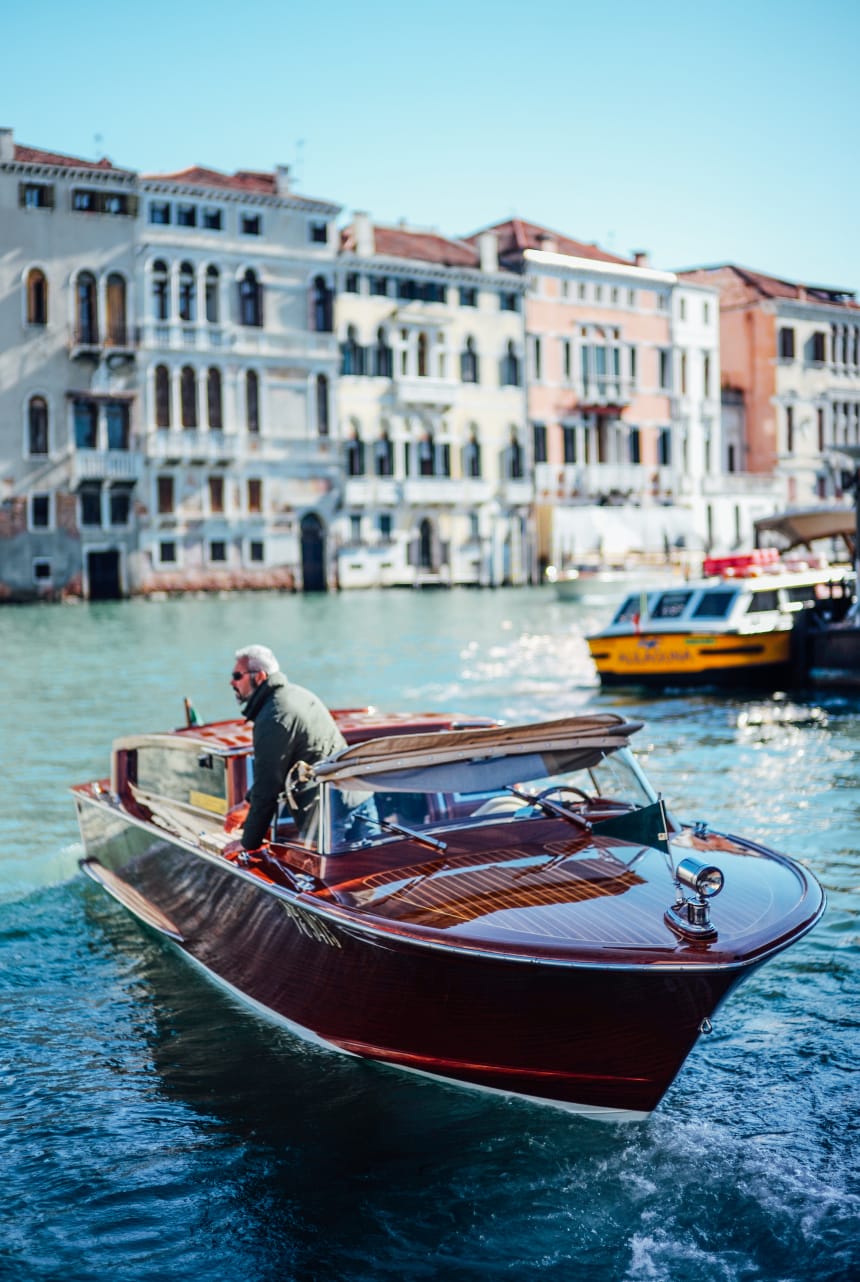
(600, 1038)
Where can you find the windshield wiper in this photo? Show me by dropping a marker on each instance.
(551, 808)
(432, 843)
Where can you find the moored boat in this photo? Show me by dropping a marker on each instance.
(515, 910)
(734, 627)
(600, 581)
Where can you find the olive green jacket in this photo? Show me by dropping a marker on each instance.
(290, 724)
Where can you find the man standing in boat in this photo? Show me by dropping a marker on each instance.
(291, 725)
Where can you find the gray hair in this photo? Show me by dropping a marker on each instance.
(259, 659)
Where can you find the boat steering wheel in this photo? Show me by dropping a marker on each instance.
(565, 787)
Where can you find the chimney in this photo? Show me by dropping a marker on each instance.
(7, 145)
(801, 293)
(365, 243)
(641, 258)
(282, 180)
(488, 248)
(548, 243)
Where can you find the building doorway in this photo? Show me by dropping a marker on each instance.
(103, 576)
(425, 545)
(313, 554)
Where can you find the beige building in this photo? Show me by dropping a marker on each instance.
(431, 402)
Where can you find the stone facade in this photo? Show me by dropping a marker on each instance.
(431, 395)
(791, 366)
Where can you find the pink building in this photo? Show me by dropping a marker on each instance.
(600, 374)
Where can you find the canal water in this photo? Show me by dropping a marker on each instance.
(151, 1128)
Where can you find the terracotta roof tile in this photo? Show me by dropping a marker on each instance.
(515, 235)
(427, 247)
(243, 180)
(35, 156)
(739, 285)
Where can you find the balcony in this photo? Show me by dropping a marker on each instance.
(192, 446)
(447, 490)
(372, 491)
(105, 465)
(752, 483)
(117, 345)
(516, 491)
(599, 393)
(438, 393)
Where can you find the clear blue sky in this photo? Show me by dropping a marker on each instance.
(703, 131)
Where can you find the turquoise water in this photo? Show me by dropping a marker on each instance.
(149, 1127)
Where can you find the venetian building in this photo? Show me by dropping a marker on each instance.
(238, 362)
(432, 409)
(612, 468)
(69, 411)
(791, 379)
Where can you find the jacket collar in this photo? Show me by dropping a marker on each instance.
(262, 694)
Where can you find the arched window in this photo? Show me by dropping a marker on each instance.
(86, 310)
(160, 290)
(469, 362)
(322, 310)
(162, 396)
(37, 425)
(516, 456)
(187, 293)
(116, 331)
(213, 289)
(351, 354)
(382, 363)
(37, 297)
(213, 399)
(322, 405)
(472, 454)
(511, 367)
(250, 300)
(441, 357)
(422, 355)
(252, 401)
(427, 456)
(383, 456)
(355, 451)
(188, 396)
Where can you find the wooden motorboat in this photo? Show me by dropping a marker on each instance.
(514, 910)
(732, 628)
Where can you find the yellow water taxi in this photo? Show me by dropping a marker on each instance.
(732, 627)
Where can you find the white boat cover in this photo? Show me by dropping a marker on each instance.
(596, 735)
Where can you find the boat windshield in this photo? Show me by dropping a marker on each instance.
(461, 794)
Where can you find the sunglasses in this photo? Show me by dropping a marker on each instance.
(237, 676)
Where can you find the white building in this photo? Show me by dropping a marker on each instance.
(238, 360)
(69, 472)
(167, 372)
(432, 408)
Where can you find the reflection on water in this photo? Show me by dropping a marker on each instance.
(150, 1127)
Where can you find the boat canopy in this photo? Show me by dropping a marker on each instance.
(802, 528)
(595, 737)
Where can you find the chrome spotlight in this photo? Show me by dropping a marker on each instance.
(704, 879)
(690, 917)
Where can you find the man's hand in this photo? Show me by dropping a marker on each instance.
(236, 817)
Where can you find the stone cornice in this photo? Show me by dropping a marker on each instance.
(231, 195)
(561, 263)
(387, 265)
(37, 169)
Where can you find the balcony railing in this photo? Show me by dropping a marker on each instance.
(105, 465)
(415, 390)
(191, 446)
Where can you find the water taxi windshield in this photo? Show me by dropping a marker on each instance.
(451, 795)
